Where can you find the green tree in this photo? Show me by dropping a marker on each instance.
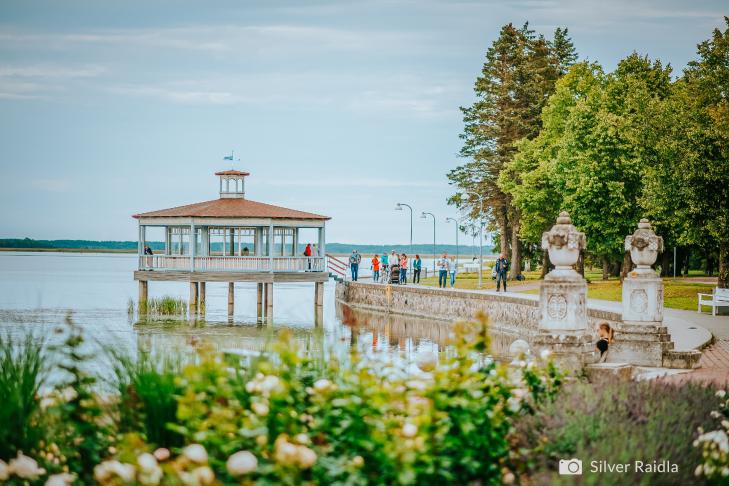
(516, 80)
(690, 188)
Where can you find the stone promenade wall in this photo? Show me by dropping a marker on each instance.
(508, 313)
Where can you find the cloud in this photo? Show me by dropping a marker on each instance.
(51, 185)
(36, 81)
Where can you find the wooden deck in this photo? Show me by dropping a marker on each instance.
(260, 277)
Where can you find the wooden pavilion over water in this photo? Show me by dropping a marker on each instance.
(232, 239)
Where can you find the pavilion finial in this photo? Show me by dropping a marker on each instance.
(232, 183)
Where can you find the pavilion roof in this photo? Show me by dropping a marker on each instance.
(231, 208)
(232, 173)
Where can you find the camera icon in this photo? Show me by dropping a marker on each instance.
(570, 467)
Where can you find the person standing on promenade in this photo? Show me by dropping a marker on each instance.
(385, 266)
(452, 270)
(501, 267)
(403, 269)
(443, 271)
(375, 268)
(417, 267)
(354, 261)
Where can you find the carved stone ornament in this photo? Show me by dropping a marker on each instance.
(644, 245)
(557, 306)
(563, 242)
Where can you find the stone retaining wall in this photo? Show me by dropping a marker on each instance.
(507, 313)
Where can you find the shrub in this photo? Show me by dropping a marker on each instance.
(618, 422)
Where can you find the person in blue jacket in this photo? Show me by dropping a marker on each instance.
(502, 268)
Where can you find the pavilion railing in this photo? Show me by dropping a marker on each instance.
(231, 263)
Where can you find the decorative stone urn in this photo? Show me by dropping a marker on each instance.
(643, 288)
(562, 299)
(644, 245)
(564, 243)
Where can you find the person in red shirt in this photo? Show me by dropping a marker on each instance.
(375, 268)
(307, 254)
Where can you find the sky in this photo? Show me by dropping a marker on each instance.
(342, 108)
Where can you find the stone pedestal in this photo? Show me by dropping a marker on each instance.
(563, 300)
(571, 352)
(642, 297)
(640, 344)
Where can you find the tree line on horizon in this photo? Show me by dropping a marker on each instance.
(548, 132)
(423, 249)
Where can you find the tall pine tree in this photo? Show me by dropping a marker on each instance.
(516, 80)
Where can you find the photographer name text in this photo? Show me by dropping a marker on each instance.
(634, 467)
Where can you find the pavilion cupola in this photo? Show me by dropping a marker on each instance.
(232, 184)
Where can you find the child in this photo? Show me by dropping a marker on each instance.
(375, 268)
(605, 332)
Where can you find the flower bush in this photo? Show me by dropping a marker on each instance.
(714, 445)
(290, 418)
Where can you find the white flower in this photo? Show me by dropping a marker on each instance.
(204, 475)
(147, 462)
(699, 469)
(25, 467)
(152, 477)
(358, 461)
(721, 393)
(285, 451)
(306, 457)
(4, 472)
(508, 478)
(725, 424)
(718, 437)
(302, 439)
(427, 362)
(269, 383)
(68, 394)
(514, 404)
(242, 462)
(162, 454)
(545, 354)
(260, 408)
(195, 453)
(63, 479)
(409, 430)
(126, 472)
(715, 414)
(322, 384)
(519, 392)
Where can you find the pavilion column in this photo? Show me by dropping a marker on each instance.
(231, 298)
(193, 296)
(269, 301)
(259, 304)
(202, 297)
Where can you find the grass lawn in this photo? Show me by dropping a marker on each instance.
(678, 293)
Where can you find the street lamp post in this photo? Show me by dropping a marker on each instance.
(455, 221)
(480, 239)
(424, 215)
(398, 207)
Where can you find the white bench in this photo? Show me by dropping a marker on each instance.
(720, 298)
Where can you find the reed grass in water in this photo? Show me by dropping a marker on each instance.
(165, 306)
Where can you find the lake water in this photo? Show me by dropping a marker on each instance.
(38, 291)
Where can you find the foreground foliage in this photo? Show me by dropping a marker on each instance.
(284, 418)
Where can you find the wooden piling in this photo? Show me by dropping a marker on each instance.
(259, 303)
(202, 297)
(269, 302)
(231, 298)
(319, 294)
(143, 294)
(193, 296)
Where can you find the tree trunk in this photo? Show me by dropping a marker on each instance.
(502, 221)
(724, 264)
(665, 263)
(615, 269)
(605, 268)
(686, 262)
(709, 264)
(545, 264)
(627, 266)
(515, 268)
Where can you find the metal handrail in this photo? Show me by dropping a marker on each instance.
(211, 263)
